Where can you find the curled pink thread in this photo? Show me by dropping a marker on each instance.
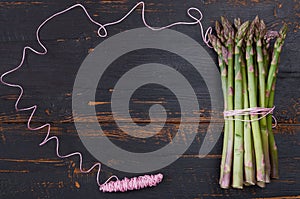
(125, 184)
(131, 183)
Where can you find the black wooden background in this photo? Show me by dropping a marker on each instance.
(29, 171)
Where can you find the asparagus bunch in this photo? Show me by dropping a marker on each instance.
(248, 61)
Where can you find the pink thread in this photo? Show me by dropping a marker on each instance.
(250, 111)
(132, 183)
(197, 21)
(271, 34)
(126, 184)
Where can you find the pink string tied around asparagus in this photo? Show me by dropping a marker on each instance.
(131, 183)
(250, 111)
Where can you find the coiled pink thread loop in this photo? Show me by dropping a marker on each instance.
(131, 183)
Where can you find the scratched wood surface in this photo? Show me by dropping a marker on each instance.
(29, 171)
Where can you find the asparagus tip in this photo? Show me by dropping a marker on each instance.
(242, 31)
(237, 23)
(218, 27)
(213, 40)
(256, 19)
(283, 30)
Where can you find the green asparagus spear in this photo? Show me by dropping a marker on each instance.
(248, 142)
(216, 43)
(238, 157)
(270, 92)
(259, 156)
(229, 36)
(260, 32)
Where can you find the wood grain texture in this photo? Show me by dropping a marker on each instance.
(29, 171)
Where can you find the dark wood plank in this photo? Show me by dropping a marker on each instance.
(190, 176)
